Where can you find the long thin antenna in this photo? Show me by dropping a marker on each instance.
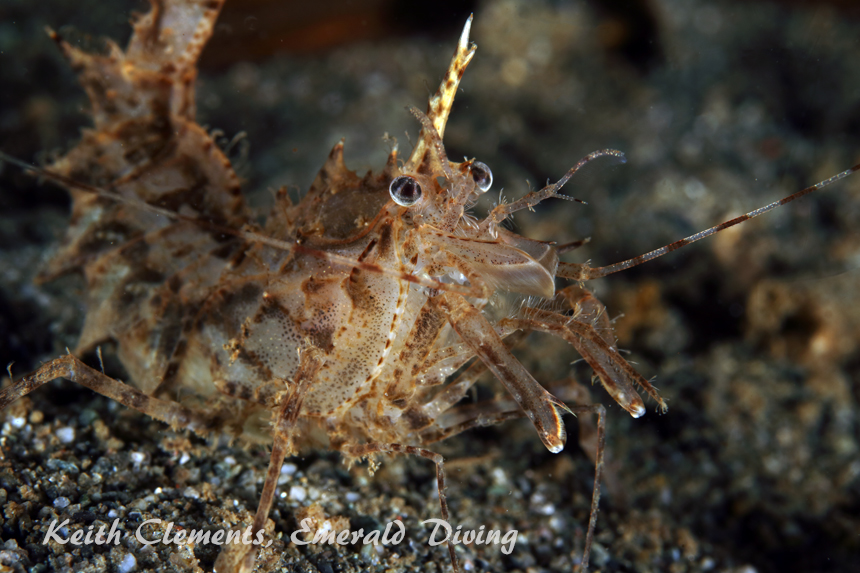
(503, 211)
(589, 273)
(250, 236)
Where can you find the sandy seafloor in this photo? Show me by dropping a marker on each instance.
(752, 335)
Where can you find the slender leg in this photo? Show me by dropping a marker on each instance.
(598, 476)
(69, 367)
(453, 392)
(483, 415)
(572, 246)
(361, 450)
(456, 418)
(463, 418)
(572, 392)
(284, 424)
(616, 375)
(542, 408)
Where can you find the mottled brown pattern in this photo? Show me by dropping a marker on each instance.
(344, 317)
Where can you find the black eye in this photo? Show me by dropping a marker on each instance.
(405, 191)
(482, 175)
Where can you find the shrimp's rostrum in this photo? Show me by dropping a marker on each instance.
(340, 322)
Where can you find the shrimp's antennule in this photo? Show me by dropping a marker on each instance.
(584, 272)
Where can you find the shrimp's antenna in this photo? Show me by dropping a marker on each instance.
(247, 235)
(583, 272)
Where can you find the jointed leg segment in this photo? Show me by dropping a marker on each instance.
(589, 331)
(284, 421)
(542, 408)
(498, 411)
(69, 367)
(362, 450)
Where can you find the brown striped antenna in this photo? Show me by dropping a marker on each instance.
(245, 234)
(582, 272)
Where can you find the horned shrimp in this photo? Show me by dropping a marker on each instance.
(340, 322)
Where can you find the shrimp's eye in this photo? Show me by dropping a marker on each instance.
(482, 175)
(405, 190)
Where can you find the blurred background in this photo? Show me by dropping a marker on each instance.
(720, 106)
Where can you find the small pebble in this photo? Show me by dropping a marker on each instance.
(499, 477)
(298, 493)
(547, 509)
(66, 434)
(127, 564)
(9, 557)
(61, 502)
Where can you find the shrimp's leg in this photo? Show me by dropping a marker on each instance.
(240, 558)
(450, 418)
(542, 408)
(361, 450)
(69, 367)
(590, 332)
(498, 411)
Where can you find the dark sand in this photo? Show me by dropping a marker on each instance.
(752, 335)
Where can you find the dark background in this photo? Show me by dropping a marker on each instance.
(721, 107)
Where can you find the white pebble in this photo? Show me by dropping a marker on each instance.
(298, 493)
(547, 509)
(352, 497)
(499, 477)
(137, 458)
(127, 564)
(288, 469)
(185, 457)
(191, 492)
(9, 557)
(19, 422)
(61, 502)
(66, 434)
(230, 460)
